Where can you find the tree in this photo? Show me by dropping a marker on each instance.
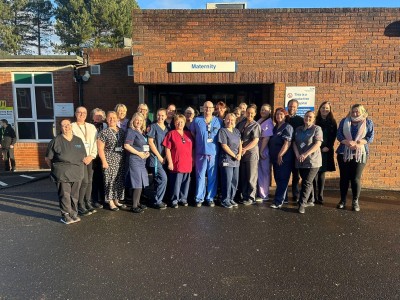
(13, 25)
(40, 24)
(93, 23)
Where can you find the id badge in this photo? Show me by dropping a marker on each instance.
(210, 140)
(225, 164)
(302, 145)
(86, 145)
(118, 149)
(146, 148)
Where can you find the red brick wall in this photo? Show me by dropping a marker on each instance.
(349, 55)
(30, 156)
(113, 85)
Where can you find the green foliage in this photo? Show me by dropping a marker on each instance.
(41, 27)
(93, 23)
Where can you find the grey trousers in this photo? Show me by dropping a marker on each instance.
(248, 179)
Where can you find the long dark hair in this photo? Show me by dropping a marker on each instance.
(330, 118)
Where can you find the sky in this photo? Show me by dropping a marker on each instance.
(192, 4)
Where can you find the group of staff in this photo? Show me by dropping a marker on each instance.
(227, 152)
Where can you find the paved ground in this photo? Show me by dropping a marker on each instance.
(246, 253)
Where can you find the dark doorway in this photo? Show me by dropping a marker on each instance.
(195, 95)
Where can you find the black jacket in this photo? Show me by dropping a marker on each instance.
(7, 136)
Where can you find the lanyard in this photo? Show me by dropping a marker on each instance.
(84, 133)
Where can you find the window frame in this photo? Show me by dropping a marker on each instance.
(34, 118)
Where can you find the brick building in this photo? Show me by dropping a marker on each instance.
(348, 55)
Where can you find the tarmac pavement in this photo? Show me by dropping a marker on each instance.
(251, 252)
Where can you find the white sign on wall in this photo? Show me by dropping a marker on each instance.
(64, 109)
(204, 67)
(304, 94)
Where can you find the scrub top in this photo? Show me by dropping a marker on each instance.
(232, 140)
(304, 140)
(276, 141)
(249, 133)
(206, 135)
(136, 176)
(158, 134)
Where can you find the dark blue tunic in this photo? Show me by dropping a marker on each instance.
(136, 177)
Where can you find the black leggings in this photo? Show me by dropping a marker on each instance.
(136, 193)
(319, 186)
(350, 171)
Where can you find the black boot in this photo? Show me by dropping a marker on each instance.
(355, 205)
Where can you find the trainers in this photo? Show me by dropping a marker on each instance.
(183, 203)
(341, 205)
(302, 209)
(98, 205)
(210, 203)
(160, 206)
(247, 202)
(137, 210)
(226, 204)
(142, 206)
(356, 207)
(265, 199)
(92, 210)
(259, 199)
(76, 219)
(174, 205)
(84, 212)
(285, 201)
(234, 204)
(66, 219)
(275, 206)
(310, 204)
(198, 204)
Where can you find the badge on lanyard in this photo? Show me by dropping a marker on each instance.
(86, 145)
(302, 145)
(146, 148)
(118, 149)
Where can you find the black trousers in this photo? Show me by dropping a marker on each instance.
(350, 171)
(68, 193)
(9, 159)
(85, 191)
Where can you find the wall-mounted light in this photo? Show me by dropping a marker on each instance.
(86, 76)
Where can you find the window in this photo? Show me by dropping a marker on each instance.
(95, 70)
(34, 106)
(130, 70)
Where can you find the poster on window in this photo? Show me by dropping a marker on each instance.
(7, 112)
(304, 94)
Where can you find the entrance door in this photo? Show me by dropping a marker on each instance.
(195, 95)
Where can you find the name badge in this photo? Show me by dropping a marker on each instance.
(225, 164)
(146, 148)
(210, 140)
(118, 149)
(302, 145)
(86, 145)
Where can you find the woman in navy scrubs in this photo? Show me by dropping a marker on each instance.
(281, 155)
(138, 149)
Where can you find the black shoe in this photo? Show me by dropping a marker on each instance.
(97, 205)
(137, 210)
(341, 205)
(91, 209)
(142, 206)
(183, 203)
(226, 204)
(84, 212)
(210, 203)
(160, 206)
(175, 205)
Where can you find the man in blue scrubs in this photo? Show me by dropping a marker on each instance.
(205, 131)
